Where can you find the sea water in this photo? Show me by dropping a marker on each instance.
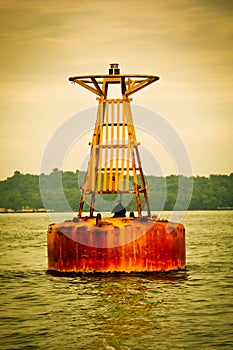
(189, 309)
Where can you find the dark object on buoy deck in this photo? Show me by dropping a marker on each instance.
(119, 211)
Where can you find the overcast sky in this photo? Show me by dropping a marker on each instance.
(188, 43)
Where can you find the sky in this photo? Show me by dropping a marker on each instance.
(188, 43)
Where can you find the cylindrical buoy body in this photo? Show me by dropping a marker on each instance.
(117, 246)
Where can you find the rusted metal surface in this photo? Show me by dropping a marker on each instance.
(120, 245)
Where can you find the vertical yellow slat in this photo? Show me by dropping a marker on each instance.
(132, 137)
(132, 129)
(90, 176)
(111, 142)
(106, 149)
(94, 153)
(121, 177)
(128, 146)
(136, 183)
(87, 185)
(101, 119)
(117, 145)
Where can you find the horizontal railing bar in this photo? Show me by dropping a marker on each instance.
(141, 190)
(119, 169)
(131, 143)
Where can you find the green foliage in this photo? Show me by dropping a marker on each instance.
(20, 191)
(23, 190)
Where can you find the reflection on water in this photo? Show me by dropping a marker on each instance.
(119, 309)
(180, 310)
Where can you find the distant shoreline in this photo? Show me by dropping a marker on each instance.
(29, 193)
(35, 211)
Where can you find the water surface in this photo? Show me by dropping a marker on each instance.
(180, 310)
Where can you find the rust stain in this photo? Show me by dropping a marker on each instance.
(120, 245)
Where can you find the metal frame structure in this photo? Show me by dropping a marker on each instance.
(114, 156)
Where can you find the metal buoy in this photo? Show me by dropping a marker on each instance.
(118, 244)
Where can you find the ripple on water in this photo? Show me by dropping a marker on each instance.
(180, 310)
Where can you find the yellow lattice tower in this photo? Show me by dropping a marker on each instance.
(114, 157)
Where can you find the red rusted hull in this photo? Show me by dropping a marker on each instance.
(125, 246)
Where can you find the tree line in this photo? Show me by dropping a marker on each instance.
(23, 190)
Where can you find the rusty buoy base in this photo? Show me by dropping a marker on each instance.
(115, 245)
